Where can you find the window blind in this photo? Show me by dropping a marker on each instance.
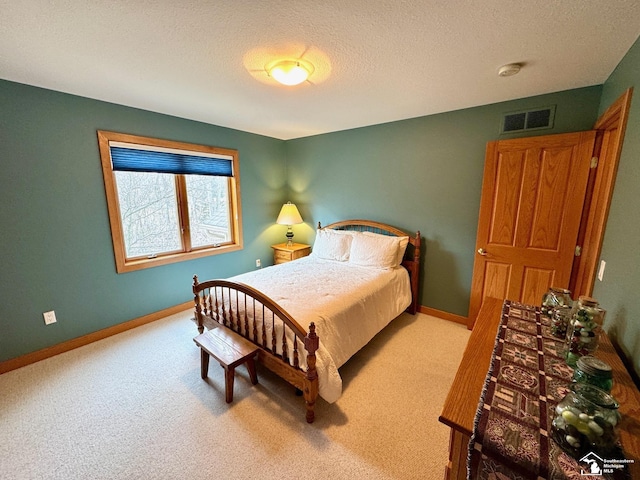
(142, 160)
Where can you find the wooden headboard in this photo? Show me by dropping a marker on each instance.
(411, 260)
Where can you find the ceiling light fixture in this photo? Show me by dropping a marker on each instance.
(289, 72)
(509, 69)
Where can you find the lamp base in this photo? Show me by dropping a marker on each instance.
(289, 237)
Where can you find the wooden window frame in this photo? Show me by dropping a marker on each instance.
(123, 264)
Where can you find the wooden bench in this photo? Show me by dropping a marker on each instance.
(230, 350)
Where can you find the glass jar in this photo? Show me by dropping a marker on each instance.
(593, 371)
(583, 329)
(586, 421)
(560, 317)
(555, 297)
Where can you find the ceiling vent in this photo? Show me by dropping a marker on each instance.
(536, 119)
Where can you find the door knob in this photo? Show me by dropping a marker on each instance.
(482, 251)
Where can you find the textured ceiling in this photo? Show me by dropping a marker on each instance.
(375, 61)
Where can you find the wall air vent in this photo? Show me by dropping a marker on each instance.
(536, 119)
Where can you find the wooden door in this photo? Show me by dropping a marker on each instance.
(533, 191)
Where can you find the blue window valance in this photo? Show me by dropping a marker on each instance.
(138, 159)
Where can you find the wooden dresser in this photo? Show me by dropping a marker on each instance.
(462, 401)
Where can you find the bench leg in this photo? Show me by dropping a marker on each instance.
(229, 374)
(251, 368)
(204, 363)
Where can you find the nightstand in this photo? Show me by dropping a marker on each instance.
(282, 253)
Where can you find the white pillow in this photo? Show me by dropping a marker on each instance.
(402, 244)
(374, 250)
(402, 247)
(344, 232)
(329, 245)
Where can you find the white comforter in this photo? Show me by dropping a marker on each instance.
(349, 305)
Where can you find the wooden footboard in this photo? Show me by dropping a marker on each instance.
(253, 315)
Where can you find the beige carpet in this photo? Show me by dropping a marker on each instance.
(133, 406)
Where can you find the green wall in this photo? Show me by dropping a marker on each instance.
(54, 229)
(618, 292)
(423, 173)
(420, 174)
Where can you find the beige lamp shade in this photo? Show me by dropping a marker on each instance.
(289, 215)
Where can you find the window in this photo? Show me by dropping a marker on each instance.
(169, 201)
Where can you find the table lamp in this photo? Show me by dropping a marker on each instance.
(289, 215)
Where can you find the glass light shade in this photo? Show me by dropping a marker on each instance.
(289, 215)
(290, 72)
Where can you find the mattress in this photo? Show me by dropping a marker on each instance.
(349, 305)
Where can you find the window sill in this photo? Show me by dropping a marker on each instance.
(124, 266)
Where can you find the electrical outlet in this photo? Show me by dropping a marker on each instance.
(601, 270)
(258, 263)
(49, 317)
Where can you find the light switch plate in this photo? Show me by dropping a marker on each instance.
(601, 270)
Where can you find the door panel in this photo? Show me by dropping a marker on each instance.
(497, 277)
(532, 284)
(550, 197)
(532, 197)
(503, 224)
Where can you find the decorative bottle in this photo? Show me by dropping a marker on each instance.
(560, 317)
(586, 421)
(553, 298)
(595, 372)
(583, 329)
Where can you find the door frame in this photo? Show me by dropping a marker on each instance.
(611, 128)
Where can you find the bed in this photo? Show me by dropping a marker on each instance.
(359, 277)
